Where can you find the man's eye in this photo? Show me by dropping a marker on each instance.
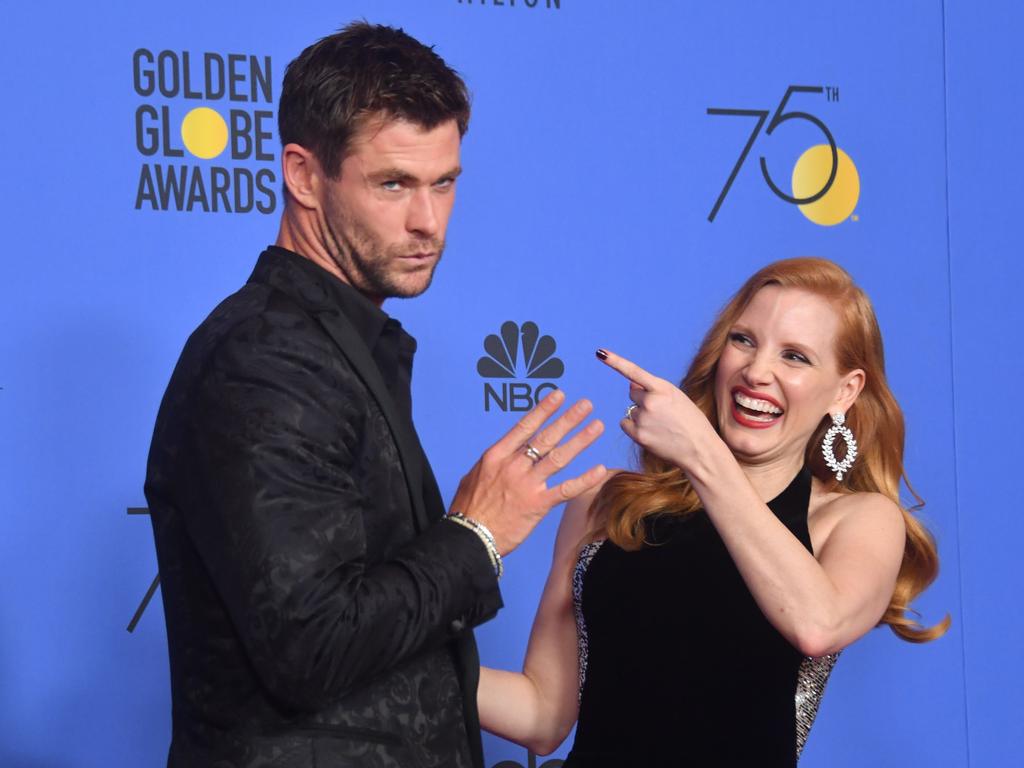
(391, 186)
(444, 184)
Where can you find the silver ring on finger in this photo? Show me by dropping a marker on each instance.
(630, 409)
(533, 453)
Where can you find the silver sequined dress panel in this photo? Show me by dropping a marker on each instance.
(810, 687)
(579, 572)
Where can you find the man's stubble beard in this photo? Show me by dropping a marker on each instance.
(365, 263)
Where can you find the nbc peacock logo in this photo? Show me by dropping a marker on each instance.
(518, 352)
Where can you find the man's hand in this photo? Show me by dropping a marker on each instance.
(507, 491)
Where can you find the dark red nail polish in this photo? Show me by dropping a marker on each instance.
(601, 354)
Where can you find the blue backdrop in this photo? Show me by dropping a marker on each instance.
(601, 144)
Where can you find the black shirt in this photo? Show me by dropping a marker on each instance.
(391, 348)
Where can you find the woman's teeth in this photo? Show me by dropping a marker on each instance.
(765, 410)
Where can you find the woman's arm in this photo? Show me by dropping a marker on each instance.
(537, 707)
(819, 605)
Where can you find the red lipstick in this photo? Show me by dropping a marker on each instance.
(744, 420)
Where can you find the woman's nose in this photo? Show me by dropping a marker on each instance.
(759, 372)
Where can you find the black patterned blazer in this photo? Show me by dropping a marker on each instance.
(318, 612)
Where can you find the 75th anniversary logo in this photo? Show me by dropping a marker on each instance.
(824, 183)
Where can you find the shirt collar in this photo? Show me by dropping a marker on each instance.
(366, 317)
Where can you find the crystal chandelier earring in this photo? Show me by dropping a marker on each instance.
(838, 428)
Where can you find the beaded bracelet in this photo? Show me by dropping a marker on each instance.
(485, 536)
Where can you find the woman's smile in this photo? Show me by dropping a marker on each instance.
(755, 410)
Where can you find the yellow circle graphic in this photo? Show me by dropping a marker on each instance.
(204, 132)
(811, 173)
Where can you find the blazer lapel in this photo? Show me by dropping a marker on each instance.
(315, 291)
(358, 356)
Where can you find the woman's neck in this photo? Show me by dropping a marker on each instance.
(769, 478)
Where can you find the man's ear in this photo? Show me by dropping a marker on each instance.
(302, 175)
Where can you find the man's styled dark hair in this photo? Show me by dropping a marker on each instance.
(362, 71)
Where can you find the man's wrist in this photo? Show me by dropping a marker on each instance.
(485, 536)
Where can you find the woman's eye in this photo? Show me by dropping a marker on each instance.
(739, 338)
(796, 357)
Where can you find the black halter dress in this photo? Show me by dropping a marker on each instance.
(678, 666)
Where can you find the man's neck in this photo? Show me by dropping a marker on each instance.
(301, 234)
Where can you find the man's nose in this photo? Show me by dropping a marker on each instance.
(422, 218)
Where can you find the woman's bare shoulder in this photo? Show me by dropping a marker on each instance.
(831, 512)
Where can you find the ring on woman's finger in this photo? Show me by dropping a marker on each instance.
(532, 452)
(629, 410)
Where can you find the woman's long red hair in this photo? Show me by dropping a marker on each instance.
(875, 419)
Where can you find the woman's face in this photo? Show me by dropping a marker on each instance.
(777, 376)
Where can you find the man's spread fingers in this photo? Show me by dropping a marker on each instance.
(530, 423)
(570, 489)
(563, 425)
(560, 456)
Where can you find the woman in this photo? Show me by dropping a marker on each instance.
(695, 609)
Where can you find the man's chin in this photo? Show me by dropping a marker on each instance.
(410, 287)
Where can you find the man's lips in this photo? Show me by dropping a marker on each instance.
(418, 261)
(427, 256)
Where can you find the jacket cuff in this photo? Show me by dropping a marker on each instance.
(468, 555)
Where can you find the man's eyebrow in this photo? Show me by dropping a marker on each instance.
(398, 174)
(391, 174)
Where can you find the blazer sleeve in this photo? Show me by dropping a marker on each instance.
(277, 518)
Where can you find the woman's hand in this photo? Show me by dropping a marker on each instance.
(663, 420)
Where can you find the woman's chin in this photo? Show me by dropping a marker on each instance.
(749, 446)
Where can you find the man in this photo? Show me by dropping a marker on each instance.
(319, 604)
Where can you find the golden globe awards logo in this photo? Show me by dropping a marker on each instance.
(205, 131)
